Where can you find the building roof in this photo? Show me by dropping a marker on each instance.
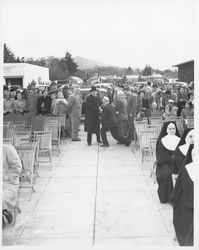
(180, 64)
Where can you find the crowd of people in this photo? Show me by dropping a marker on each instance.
(116, 112)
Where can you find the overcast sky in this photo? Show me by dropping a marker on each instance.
(120, 32)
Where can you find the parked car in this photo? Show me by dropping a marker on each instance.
(84, 93)
(177, 85)
(104, 85)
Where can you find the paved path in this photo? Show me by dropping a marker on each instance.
(93, 196)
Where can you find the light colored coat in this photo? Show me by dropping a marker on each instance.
(75, 106)
(11, 171)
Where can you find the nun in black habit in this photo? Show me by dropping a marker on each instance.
(182, 200)
(182, 149)
(166, 144)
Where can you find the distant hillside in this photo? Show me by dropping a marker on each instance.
(84, 63)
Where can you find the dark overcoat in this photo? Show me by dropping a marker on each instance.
(92, 121)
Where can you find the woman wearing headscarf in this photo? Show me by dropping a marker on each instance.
(166, 144)
(182, 149)
(182, 200)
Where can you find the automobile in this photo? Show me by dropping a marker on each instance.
(84, 93)
(177, 85)
(140, 84)
(104, 85)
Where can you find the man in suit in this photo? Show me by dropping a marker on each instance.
(131, 111)
(110, 123)
(74, 110)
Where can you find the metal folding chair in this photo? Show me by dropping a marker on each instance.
(44, 145)
(144, 140)
(8, 141)
(190, 122)
(27, 155)
(153, 142)
(55, 128)
(21, 137)
(6, 126)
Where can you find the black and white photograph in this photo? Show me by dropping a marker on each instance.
(99, 135)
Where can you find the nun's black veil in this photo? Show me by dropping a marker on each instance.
(187, 160)
(187, 201)
(184, 135)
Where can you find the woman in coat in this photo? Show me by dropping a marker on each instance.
(182, 200)
(92, 121)
(165, 147)
(44, 103)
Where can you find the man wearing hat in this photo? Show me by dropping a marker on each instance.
(32, 101)
(170, 110)
(92, 121)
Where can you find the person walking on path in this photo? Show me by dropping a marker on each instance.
(74, 110)
(92, 121)
(110, 123)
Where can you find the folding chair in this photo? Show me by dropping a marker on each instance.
(155, 120)
(144, 140)
(55, 128)
(139, 125)
(27, 155)
(44, 145)
(8, 117)
(28, 119)
(11, 132)
(153, 158)
(190, 123)
(38, 123)
(19, 118)
(21, 138)
(157, 128)
(62, 121)
(8, 141)
(6, 126)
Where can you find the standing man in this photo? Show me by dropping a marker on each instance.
(92, 121)
(32, 101)
(131, 111)
(120, 104)
(109, 122)
(75, 110)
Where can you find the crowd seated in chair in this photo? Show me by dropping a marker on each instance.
(11, 171)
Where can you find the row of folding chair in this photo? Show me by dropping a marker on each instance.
(32, 152)
(147, 135)
(18, 118)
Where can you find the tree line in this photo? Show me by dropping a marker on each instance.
(62, 68)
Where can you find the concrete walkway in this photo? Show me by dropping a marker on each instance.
(93, 196)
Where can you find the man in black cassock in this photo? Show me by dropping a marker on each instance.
(92, 121)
